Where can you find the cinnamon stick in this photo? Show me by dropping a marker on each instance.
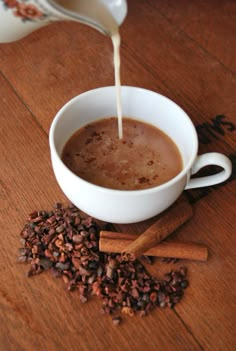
(166, 224)
(181, 250)
(116, 235)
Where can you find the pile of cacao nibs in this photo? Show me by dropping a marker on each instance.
(65, 243)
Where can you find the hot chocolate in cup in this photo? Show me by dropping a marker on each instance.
(130, 206)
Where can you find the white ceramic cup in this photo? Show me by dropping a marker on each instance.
(129, 206)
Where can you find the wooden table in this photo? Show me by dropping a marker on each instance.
(183, 49)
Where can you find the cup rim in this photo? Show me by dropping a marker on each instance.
(184, 171)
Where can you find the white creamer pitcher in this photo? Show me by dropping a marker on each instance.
(18, 18)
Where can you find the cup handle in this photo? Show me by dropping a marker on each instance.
(211, 158)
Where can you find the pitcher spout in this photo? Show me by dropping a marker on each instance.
(18, 18)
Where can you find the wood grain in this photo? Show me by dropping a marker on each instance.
(37, 312)
(202, 85)
(184, 50)
(211, 24)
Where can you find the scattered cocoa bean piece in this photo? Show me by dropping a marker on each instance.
(170, 260)
(66, 243)
(116, 320)
(147, 259)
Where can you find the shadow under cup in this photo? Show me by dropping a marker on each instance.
(122, 206)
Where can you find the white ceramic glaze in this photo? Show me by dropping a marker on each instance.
(18, 18)
(130, 206)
